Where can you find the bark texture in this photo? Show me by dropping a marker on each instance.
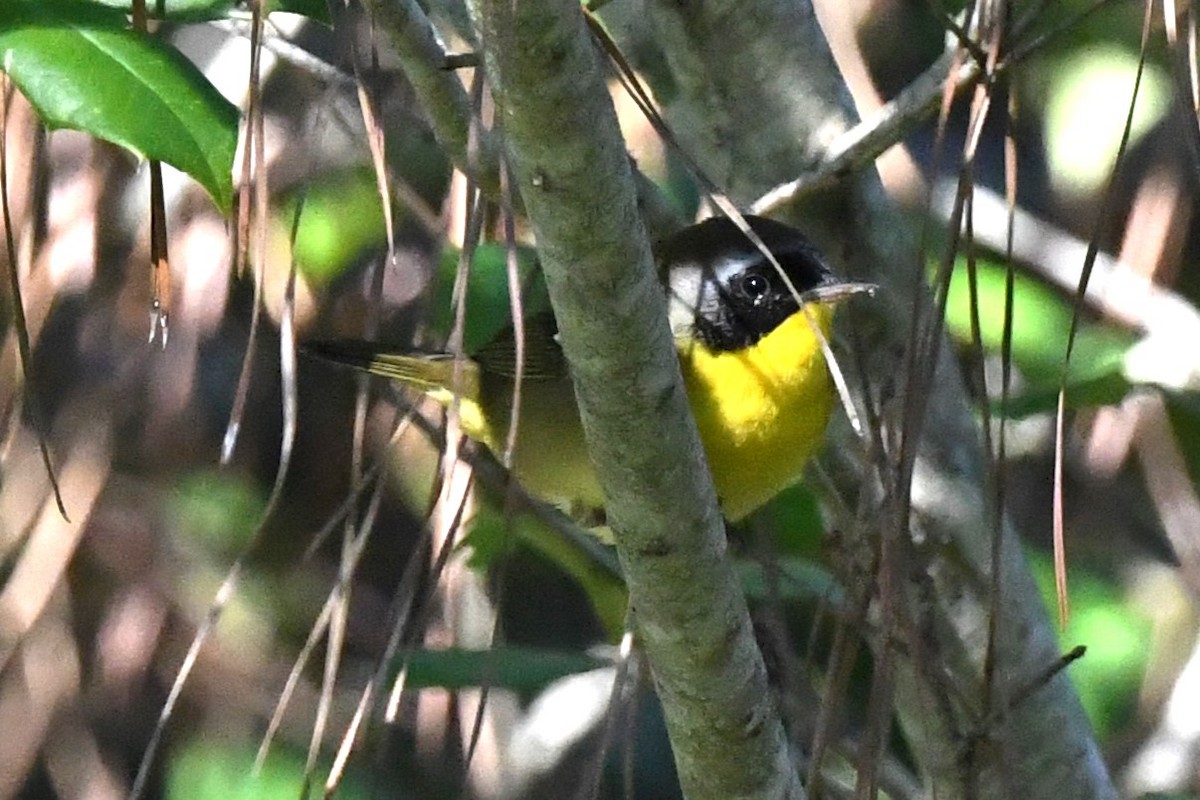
(569, 163)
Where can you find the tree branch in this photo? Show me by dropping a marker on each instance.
(754, 114)
(412, 36)
(428, 68)
(569, 162)
(858, 147)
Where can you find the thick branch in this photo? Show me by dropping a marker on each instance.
(442, 95)
(752, 116)
(569, 162)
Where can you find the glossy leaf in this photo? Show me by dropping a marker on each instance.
(203, 10)
(81, 67)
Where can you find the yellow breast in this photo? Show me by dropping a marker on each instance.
(761, 411)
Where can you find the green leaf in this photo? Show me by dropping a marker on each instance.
(207, 768)
(1040, 319)
(342, 217)
(1041, 322)
(1117, 637)
(1088, 93)
(523, 669)
(176, 10)
(1095, 377)
(488, 308)
(488, 539)
(82, 68)
(204, 10)
(793, 520)
(215, 508)
(588, 562)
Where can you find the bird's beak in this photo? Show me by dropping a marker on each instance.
(834, 290)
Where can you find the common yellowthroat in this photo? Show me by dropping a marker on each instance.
(752, 365)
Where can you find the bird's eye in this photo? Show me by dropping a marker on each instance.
(754, 285)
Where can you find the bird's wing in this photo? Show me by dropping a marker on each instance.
(543, 356)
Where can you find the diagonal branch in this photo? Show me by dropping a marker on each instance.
(939, 565)
(431, 71)
(569, 163)
(412, 36)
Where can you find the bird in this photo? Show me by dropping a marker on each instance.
(747, 339)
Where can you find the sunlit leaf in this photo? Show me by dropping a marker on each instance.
(1117, 638)
(1041, 321)
(204, 769)
(341, 219)
(201, 10)
(81, 67)
(1089, 92)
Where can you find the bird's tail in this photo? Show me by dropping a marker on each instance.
(429, 372)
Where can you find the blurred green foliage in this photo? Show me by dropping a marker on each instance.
(340, 219)
(523, 669)
(218, 509)
(203, 769)
(1117, 638)
(1088, 92)
(795, 522)
(202, 10)
(489, 309)
(1183, 411)
(1041, 322)
(592, 565)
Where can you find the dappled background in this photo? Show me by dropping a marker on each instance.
(166, 467)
